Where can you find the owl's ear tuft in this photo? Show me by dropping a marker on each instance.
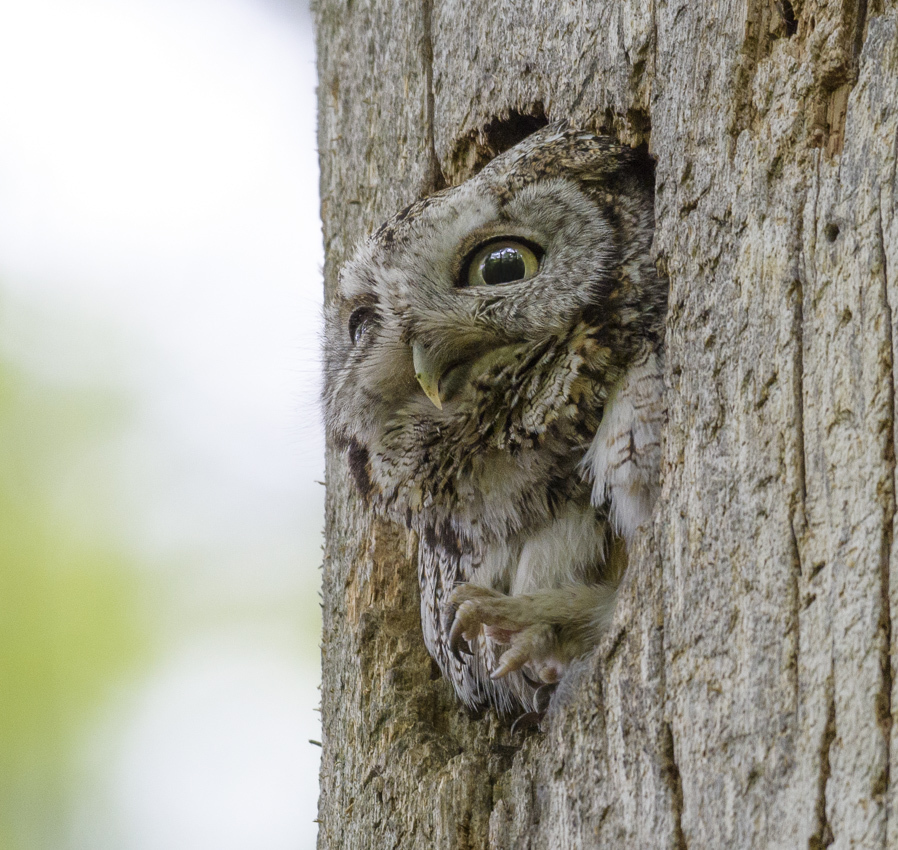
(360, 468)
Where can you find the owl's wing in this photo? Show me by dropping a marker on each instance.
(623, 461)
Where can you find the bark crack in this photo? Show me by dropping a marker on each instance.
(860, 25)
(435, 178)
(798, 391)
(798, 519)
(823, 834)
(674, 784)
(884, 697)
(795, 604)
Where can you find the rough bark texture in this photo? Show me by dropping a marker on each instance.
(746, 695)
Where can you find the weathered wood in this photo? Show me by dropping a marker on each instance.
(746, 696)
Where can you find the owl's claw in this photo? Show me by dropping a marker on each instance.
(457, 617)
(526, 646)
(543, 696)
(460, 647)
(536, 684)
(540, 705)
(457, 640)
(527, 721)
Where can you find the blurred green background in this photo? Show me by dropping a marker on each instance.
(160, 445)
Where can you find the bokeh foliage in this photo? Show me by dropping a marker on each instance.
(70, 624)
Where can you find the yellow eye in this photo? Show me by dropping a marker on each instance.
(505, 261)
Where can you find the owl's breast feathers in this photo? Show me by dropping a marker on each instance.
(502, 455)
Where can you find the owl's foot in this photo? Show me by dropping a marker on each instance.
(506, 620)
(544, 631)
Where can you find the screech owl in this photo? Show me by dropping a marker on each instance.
(494, 371)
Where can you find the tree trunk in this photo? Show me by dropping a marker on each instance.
(745, 696)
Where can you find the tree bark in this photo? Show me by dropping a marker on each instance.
(746, 694)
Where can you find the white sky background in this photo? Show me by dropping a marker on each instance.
(159, 235)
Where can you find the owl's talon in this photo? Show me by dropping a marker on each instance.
(536, 684)
(543, 696)
(458, 643)
(459, 648)
(526, 721)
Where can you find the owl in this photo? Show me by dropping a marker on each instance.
(493, 364)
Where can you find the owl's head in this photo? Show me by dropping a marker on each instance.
(474, 337)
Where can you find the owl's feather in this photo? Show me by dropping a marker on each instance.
(624, 458)
(513, 423)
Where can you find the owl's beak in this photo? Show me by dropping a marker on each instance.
(427, 373)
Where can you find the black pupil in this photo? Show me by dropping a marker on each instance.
(503, 266)
(358, 324)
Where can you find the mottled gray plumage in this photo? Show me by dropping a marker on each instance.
(493, 366)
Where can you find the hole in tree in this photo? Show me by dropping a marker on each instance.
(789, 20)
(643, 165)
(501, 134)
(476, 149)
(831, 232)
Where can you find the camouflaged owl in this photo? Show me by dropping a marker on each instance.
(494, 372)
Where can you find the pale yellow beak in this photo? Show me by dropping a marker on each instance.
(427, 373)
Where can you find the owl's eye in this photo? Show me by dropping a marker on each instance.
(360, 322)
(505, 261)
